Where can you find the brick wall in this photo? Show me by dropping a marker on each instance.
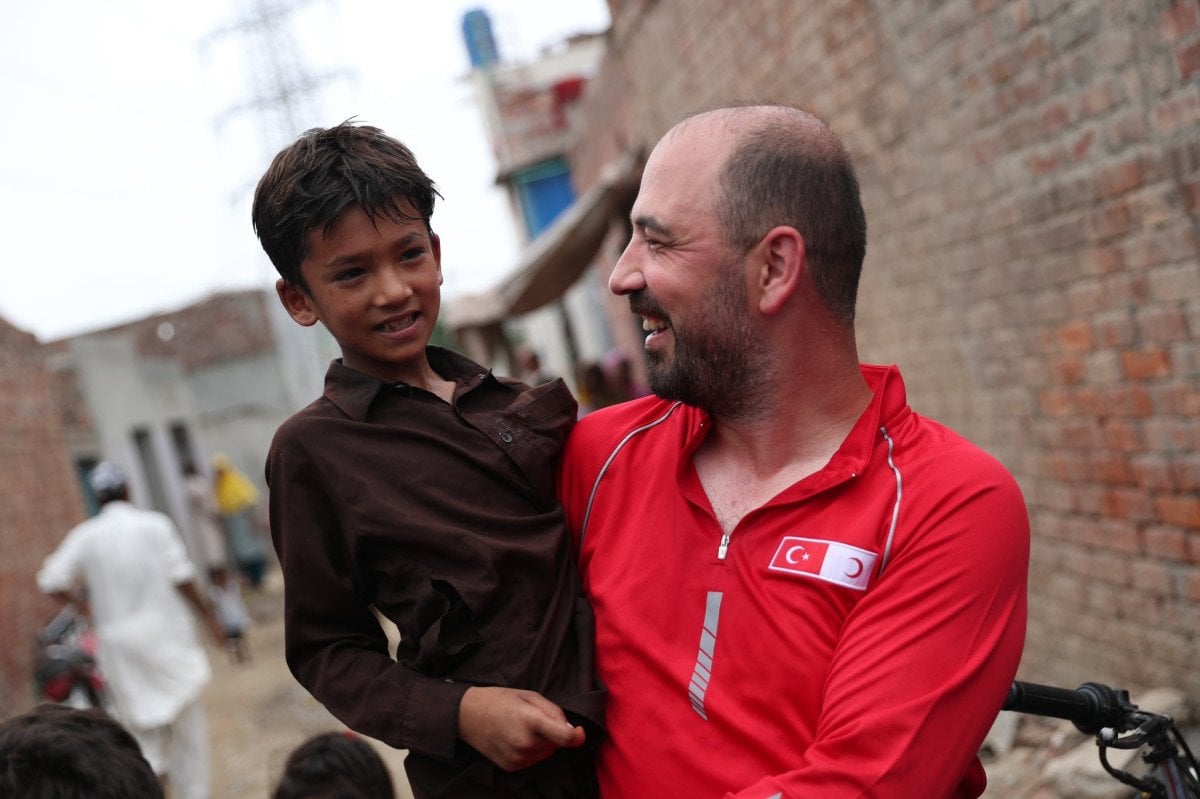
(1031, 172)
(40, 499)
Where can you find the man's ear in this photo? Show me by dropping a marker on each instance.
(782, 263)
(297, 302)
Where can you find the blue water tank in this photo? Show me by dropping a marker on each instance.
(481, 43)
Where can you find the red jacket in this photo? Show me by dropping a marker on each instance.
(856, 637)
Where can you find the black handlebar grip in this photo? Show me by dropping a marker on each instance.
(1090, 707)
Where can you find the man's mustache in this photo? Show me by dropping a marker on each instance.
(642, 304)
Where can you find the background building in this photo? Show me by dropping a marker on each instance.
(40, 498)
(216, 376)
(531, 112)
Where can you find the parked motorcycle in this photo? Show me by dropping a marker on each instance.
(65, 669)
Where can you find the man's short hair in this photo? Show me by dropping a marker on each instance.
(325, 171)
(59, 752)
(789, 168)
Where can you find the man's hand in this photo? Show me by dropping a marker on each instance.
(512, 728)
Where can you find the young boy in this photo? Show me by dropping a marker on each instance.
(225, 593)
(419, 486)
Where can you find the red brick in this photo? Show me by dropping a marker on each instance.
(1152, 576)
(1127, 505)
(1122, 435)
(1165, 543)
(1185, 472)
(1097, 99)
(1109, 221)
(1145, 364)
(1181, 510)
(1112, 468)
(1076, 337)
(1164, 323)
(1055, 402)
(1191, 195)
(1178, 21)
(1177, 112)
(1128, 401)
(1153, 472)
(1116, 329)
(1091, 401)
(1190, 580)
(1068, 371)
(1172, 434)
(1106, 534)
(1055, 117)
(1042, 164)
(1119, 179)
(1188, 59)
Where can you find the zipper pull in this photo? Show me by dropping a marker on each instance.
(723, 550)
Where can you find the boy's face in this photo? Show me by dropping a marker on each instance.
(375, 284)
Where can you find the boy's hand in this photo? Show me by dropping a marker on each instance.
(513, 728)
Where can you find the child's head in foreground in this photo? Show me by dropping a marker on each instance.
(334, 764)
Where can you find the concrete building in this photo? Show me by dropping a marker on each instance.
(531, 111)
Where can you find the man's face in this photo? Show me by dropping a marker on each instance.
(689, 288)
(375, 284)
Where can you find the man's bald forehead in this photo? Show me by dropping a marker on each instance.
(739, 120)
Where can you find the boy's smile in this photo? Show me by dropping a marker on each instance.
(375, 284)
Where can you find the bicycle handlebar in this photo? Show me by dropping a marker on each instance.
(1090, 707)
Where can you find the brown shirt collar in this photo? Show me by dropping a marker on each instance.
(353, 391)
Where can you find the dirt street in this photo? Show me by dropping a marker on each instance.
(257, 713)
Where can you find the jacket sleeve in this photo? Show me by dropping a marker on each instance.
(926, 657)
(334, 644)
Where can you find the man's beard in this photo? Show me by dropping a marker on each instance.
(719, 365)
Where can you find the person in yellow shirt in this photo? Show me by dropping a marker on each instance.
(238, 503)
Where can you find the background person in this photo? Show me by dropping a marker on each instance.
(238, 505)
(529, 367)
(209, 532)
(802, 587)
(134, 571)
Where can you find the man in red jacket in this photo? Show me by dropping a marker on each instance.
(802, 587)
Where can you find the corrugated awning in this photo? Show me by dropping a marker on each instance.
(553, 261)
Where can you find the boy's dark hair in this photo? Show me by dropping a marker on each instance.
(324, 172)
(335, 765)
(59, 752)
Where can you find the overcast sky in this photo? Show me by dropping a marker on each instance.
(127, 158)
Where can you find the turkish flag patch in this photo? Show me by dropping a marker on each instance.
(830, 561)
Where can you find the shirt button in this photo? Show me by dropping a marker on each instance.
(506, 437)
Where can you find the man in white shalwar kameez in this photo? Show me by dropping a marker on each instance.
(138, 580)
